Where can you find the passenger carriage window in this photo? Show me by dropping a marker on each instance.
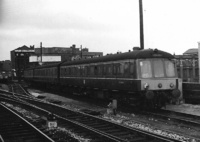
(115, 69)
(170, 69)
(158, 68)
(118, 69)
(55, 72)
(62, 72)
(75, 70)
(145, 68)
(69, 70)
(131, 68)
(109, 69)
(72, 70)
(83, 70)
(78, 70)
(95, 70)
(52, 71)
(91, 70)
(86, 70)
(66, 71)
(121, 69)
(104, 69)
(126, 69)
(99, 70)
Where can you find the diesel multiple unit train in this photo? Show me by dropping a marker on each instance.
(143, 77)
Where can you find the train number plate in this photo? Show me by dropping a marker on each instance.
(52, 124)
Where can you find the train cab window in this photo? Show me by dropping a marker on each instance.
(170, 68)
(145, 68)
(158, 68)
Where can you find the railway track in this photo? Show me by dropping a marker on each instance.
(14, 127)
(181, 120)
(68, 126)
(74, 131)
(102, 127)
(18, 89)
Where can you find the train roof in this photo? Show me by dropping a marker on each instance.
(138, 54)
(44, 66)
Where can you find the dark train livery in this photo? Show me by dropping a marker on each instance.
(144, 77)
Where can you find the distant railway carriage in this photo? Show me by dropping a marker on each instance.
(28, 74)
(48, 74)
(148, 75)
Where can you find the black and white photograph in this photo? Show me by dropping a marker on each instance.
(99, 71)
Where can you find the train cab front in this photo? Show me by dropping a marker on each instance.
(159, 81)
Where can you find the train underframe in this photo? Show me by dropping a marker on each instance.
(142, 99)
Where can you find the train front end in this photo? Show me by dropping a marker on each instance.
(159, 81)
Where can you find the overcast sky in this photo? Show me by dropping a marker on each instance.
(106, 26)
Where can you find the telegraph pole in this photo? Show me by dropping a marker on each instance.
(81, 52)
(141, 25)
(41, 51)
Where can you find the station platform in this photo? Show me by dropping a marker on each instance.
(185, 108)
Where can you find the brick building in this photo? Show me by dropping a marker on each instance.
(5, 65)
(20, 59)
